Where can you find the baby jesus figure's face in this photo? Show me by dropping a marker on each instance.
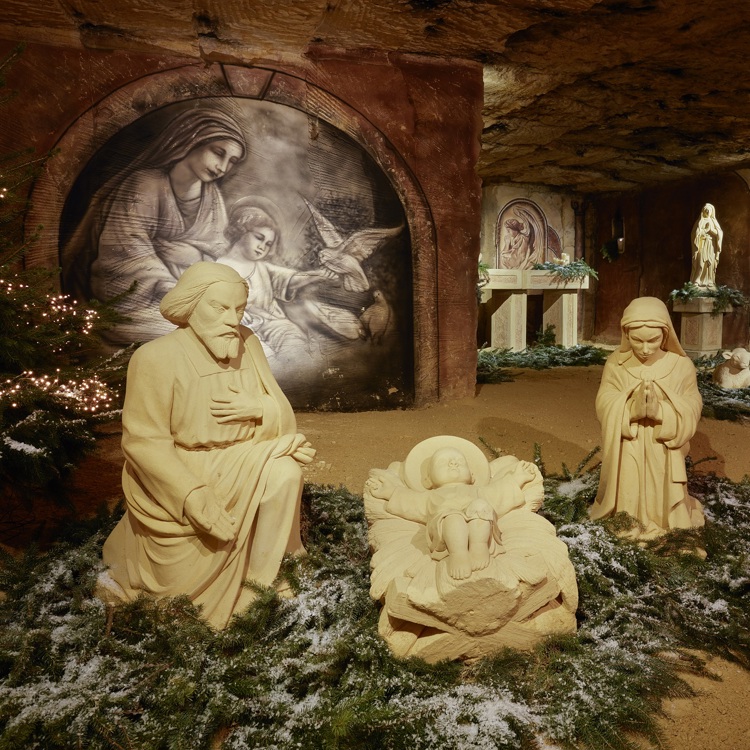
(449, 466)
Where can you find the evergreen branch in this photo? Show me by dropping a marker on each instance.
(575, 270)
(723, 296)
(493, 364)
(732, 404)
(313, 672)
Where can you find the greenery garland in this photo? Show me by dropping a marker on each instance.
(575, 270)
(493, 365)
(610, 250)
(723, 296)
(312, 672)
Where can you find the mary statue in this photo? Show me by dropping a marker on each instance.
(648, 405)
(707, 237)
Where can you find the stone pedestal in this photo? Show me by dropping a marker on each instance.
(508, 304)
(561, 311)
(701, 327)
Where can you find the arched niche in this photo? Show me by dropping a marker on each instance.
(374, 376)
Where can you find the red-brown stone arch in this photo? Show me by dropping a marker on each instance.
(121, 107)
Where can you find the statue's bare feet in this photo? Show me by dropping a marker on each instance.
(479, 556)
(459, 565)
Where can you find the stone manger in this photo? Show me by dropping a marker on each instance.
(525, 588)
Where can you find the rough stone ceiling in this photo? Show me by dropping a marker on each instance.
(590, 96)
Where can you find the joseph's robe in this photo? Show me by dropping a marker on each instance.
(173, 446)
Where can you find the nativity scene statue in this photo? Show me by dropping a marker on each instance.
(648, 405)
(462, 564)
(212, 476)
(734, 371)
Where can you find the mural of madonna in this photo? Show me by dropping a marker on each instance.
(153, 219)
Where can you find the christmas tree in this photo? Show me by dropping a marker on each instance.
(54, 385)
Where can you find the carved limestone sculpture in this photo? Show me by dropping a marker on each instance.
(212, 475)
(648, 405)
(461, 562)
(734, 372)
(707, 237)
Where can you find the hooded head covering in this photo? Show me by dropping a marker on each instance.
(189, 130)
(178, 303)
(651, 312)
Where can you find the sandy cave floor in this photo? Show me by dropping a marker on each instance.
(554, 408)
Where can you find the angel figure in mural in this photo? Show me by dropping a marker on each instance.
(707, 238)
(522, 243)
(155, 218)
(461, 562)
(253, 236)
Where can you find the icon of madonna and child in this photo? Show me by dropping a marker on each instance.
(312, 303)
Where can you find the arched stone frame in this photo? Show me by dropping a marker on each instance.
(120, 108)
(540, 215)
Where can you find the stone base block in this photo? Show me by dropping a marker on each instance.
(701, 327)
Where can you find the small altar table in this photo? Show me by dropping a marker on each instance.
(507, 306)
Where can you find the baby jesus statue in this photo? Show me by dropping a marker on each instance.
(461, 562)
(460, 517)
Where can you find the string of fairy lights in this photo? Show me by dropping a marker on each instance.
(89, 394)
(62, 304)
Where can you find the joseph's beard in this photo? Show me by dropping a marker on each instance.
(222, 347)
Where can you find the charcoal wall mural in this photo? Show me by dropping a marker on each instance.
(295, 205)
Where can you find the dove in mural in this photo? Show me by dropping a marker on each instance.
(343, 255)
(376, 319)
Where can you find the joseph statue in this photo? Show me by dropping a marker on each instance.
(212, 475)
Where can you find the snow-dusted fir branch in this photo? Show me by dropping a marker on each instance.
(312, 671)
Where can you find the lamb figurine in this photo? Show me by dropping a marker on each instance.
(735, 371)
